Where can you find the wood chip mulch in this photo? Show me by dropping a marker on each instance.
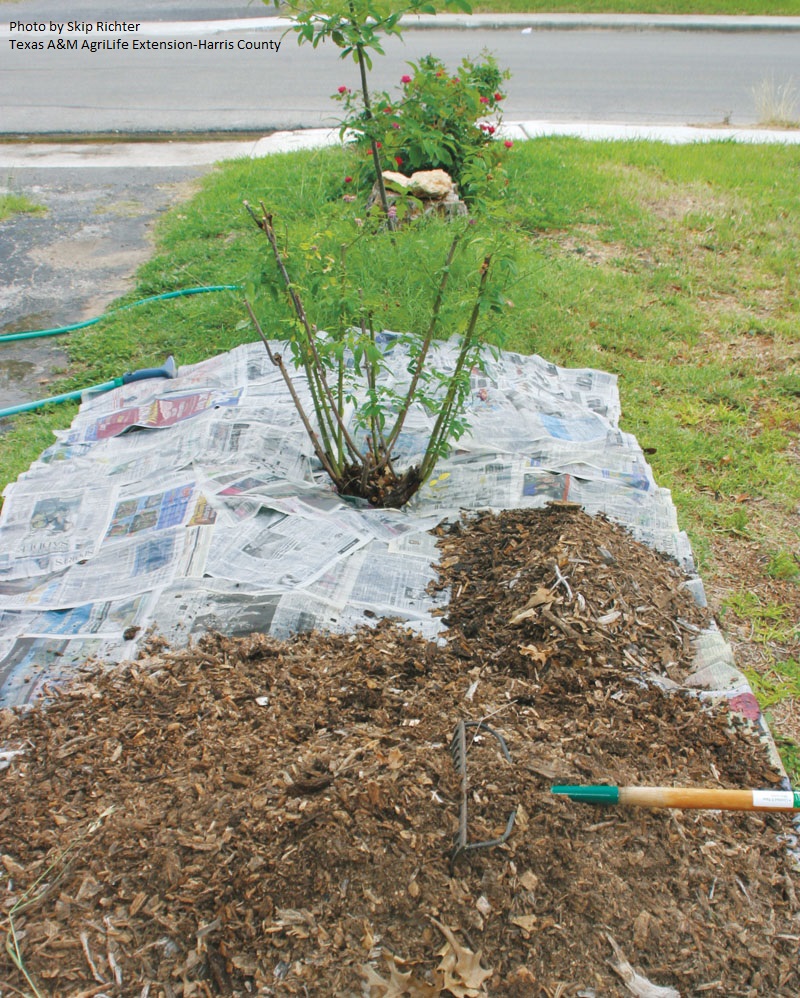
(255, 817)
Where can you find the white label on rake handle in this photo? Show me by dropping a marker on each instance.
(773, 798)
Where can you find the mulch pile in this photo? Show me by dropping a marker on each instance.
(257, 817)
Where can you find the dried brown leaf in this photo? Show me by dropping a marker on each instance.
(460, 965)
(398, 985)
(542, 597)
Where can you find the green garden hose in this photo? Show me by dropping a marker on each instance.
(169, 370)
(58, 331)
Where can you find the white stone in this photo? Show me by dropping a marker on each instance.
(436, 184)
(396, 180)
(429, 185)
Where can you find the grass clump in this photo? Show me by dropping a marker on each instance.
(769, 621)
(784, 565)
(789, 751)
(17, 204)
(776, 103)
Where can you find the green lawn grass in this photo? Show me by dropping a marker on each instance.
(675, 267)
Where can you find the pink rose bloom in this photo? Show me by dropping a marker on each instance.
(342, 90)
(508, 143)
(405, 79)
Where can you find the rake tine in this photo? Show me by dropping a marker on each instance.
(458, 750)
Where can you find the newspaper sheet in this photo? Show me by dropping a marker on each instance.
(196, 503)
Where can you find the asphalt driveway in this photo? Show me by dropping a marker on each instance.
(68, 264)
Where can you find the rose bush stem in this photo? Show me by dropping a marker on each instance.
(442, 427)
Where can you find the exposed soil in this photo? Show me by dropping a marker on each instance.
(257, 817)
(383, 488)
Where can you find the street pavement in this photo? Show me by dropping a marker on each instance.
(244, 74)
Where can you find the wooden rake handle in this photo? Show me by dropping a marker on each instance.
(684, 797)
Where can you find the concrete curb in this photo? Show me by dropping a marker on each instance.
(673, 134)
(592, 22)
(135, 155)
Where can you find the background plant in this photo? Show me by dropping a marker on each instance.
(357, 28)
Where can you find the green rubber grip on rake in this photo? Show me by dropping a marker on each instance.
(589, 795)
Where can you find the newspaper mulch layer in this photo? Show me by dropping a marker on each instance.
(248, 816)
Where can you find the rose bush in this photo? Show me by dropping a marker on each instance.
(437, 121)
